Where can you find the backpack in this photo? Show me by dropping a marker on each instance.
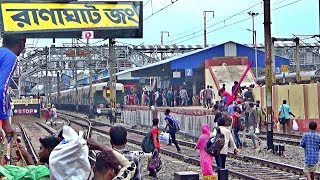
(228, 118)
(215, 144)
(147, 143)
(176, 124)
(155, 162)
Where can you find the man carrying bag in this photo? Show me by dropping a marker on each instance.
(284, 116)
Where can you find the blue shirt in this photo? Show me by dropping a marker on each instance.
(230, 109)
(8, 64)
(310, 142)
(285, 111)
(170, 121)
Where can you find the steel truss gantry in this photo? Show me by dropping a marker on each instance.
(64, 59)
(309, 52)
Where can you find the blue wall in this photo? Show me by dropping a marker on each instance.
(196, 59)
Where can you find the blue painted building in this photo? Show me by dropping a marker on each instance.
(193, 60)
(229, 49)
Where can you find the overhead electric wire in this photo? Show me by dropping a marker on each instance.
(217, 29)
(222, 21)
(286, 5)
(238, 21)
(146, 3)
(172, 2)
(229, 17)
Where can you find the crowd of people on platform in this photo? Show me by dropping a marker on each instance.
(167, 97)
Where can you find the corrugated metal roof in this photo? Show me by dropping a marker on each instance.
(243, 50)
(195, 58)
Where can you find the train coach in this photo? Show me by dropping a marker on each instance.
(101, 98)
(306, 77)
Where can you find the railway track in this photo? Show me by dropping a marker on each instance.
(244, 167)
(284, 135)
(31, 133)
(281, 140)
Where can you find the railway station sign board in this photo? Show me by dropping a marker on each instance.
(278, 70)
(109, 19)
(26, 107)
(188, 72)
(87, 34)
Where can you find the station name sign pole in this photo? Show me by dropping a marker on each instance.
(268, 71)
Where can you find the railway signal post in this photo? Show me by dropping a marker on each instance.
(268, 71)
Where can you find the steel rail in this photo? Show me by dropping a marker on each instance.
(29, 144)
(294, 136)
(285, 167)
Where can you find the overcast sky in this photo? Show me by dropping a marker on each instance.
(185, 18)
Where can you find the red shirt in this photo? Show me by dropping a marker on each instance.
(225, 93)
(155, 132)
(235, 122)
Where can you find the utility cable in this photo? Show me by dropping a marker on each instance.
(146, 3)
(222, 21)
(154, 13)
(217, 29)
(238, 21)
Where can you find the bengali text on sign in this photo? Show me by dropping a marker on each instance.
(26, 17)
(25, 101)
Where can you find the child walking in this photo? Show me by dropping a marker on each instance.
(205, 159)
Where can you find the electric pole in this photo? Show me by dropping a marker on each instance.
(90, 83)
(163, 32)
(268, 71)
(254, 39)
(205, 26)
(112, 80)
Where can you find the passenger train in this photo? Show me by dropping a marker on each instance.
(306, 77)
(101, 98)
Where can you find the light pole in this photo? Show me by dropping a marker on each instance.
(254, 40)
(205, 25)
(255, 50)
(163, 32)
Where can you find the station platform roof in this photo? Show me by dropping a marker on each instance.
(195, 59)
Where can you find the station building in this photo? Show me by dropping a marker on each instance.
(189, 69)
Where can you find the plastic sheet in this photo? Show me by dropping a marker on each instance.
(69, 160)
(40, 172)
